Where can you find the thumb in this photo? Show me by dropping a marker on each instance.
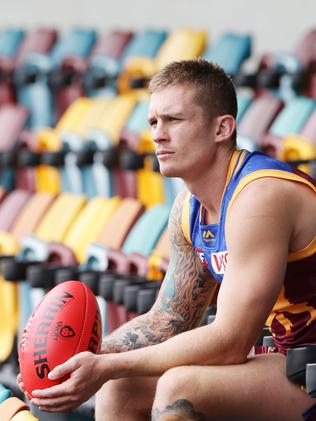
(61, 370)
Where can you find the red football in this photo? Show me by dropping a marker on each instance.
(67, 321)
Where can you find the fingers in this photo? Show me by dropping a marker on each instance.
(52, 392)
(66, 368)
(60, 404)
(57, 398)
(69, 393)
(20, 383)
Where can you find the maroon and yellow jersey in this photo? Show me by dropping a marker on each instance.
(293, 318)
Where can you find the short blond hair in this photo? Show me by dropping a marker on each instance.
(215, 91)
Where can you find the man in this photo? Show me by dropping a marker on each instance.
(248, 223)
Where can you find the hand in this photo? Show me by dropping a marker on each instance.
(20, 383)
(85, 379)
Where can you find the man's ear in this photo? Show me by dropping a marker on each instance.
(225, 127)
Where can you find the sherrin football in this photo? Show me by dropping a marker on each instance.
(66, 321)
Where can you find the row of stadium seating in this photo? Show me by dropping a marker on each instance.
(46, 71)
(119, 120)
(103, 147)
(81, 154)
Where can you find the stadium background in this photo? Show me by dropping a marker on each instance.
(273, 25)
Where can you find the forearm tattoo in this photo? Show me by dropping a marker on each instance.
(183, 298)
(180, 408)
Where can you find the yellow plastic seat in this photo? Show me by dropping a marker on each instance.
(24, 416)
(150, 185)
(79, 118)
(59, 217)
(181, 44)
(297, 148)
(115, 116)
(89, 225)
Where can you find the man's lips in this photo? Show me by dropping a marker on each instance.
(164, 152)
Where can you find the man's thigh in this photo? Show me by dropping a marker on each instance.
(257, 390)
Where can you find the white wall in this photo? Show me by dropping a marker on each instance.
(275, 24)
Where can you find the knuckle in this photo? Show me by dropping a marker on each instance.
(75, 361)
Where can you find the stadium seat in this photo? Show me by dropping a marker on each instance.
(69, 62)
(10, 42)
(290, 120)
(257, 121)
(30, 76)
(140, 241)
(137, 63)
(105, 64)
(13, 119)
(230, 51)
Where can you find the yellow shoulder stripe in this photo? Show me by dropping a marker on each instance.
(241, 160)
(237, 155)
(185, 221)
(267, 173)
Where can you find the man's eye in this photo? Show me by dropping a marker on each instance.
(152, 123)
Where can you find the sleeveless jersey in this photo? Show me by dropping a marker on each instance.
(293, 317)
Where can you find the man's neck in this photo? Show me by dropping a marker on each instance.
(209, 188)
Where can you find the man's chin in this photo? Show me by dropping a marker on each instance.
(168, 172)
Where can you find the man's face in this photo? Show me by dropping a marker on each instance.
(183, 135)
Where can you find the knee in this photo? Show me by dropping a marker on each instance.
(172, 385)
(176, 398)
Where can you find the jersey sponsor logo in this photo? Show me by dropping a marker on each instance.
(208, 236)
(219, 262)
(201, 255)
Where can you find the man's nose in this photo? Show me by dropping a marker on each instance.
(159, 133)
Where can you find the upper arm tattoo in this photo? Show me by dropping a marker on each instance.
(183, 298)
(188, 286)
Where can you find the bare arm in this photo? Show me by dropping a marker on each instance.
(258, 233)
(183, 298)
(259, 228)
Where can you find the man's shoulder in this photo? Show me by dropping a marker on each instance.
(266, 196)
(272, 186)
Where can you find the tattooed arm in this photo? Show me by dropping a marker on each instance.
(246, 297)
(183, 298)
